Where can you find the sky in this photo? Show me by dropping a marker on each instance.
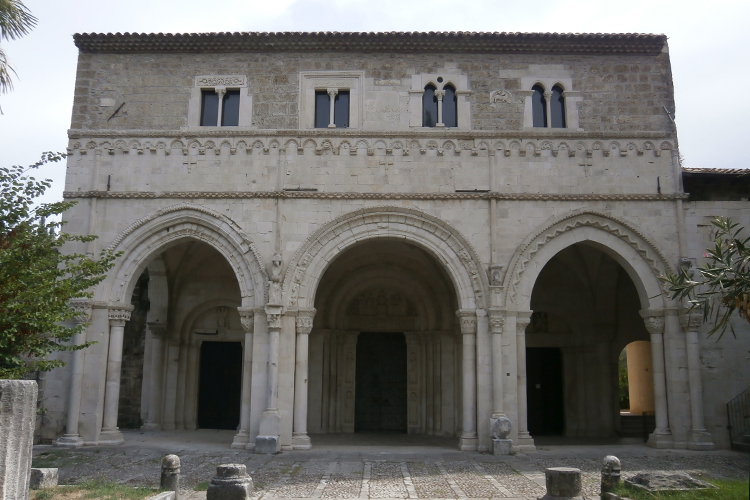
(708, 43)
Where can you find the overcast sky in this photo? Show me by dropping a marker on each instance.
(708, 44)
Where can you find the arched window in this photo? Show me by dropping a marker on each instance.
(538, 107)
(557, 108)
(450, 107)
(429, 107)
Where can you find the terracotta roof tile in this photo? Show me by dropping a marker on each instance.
(728, 171)
(461, 41)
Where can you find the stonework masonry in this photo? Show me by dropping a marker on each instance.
(485, 251)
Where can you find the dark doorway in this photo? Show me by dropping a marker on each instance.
(380, 399)
(220, 385)
(544, 389)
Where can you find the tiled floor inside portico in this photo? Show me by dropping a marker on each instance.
(374, 465)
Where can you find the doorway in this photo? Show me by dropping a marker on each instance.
(380, 393)
(220, 385)
(544, 389)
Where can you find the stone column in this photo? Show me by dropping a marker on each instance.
(332, 100)
(118, 316)
(270, 424)
(525, 441)
(220, 91)
(700, 438)
(548, 107)
(303, 325)
(158, 334)
(17, 418)
(500, 426)
(247, 318)
(662, 436)
(468, 321)
(71, 439)
(439, 94)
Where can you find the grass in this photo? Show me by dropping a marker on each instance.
(201, 486)
(97, 489)
(60, 458)
(727, 489)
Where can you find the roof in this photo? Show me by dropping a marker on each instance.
(726, 171)
(409, 42)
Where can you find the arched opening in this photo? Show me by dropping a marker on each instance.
(557, 107)
(385, 348)
(538, 106)
(182, 351)
(586, 310)
(429, 107)
(450, 107)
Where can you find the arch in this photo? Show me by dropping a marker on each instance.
(538, 106)
(429, 106)
(557, 107)
(450, 106)
(640, 258)
(172, 225)
(441, 240)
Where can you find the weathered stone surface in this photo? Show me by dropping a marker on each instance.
(170, 473)
(43, 478)
(17, 419)
(502, 446)
(610, 473)
(267, 444)
(653, 481)
(501, 427)
(563, 482)
(230, 483)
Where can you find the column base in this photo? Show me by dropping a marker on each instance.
(69, 441)
(301, 441)
(267, 445)
(111, 437)
(502, 446)
(524, 442)
(240, 440)
(168, 427)
(701, 440)
(150, 426)
(660, 439)
(468, 443)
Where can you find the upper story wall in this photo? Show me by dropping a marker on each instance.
(618, 86)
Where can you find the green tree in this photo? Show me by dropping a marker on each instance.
(15, 22)
(722, 285)
(37, 279)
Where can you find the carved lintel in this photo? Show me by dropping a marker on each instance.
(247, 318)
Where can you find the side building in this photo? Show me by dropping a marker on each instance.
(428, 233)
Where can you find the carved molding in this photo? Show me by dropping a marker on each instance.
(247, 318)
(500, 96)
(119, 314)
(617, 227)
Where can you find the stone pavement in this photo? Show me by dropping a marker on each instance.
(373, 466)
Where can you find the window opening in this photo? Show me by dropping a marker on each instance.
(450, 107)
(341, 109)
(322, 109)
(230, 115)
(330, 116)
(557, 107)
(538, 106)
(209, 108)
(429, 107)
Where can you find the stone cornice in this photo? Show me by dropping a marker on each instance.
(388, 42)
(372, 196)
(352, 133)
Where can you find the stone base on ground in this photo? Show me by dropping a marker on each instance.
(301, 442)
(240, 440)
(43, 478)
(660, 441)
(701, 440)
(468, 444)
(267, 444)
(69, 441)
(502, 446)
(111, 438)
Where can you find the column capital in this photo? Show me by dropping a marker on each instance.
(221, 91)
(247, 318)
(83, 308)
(304, 321)
(440, 94)
(273, 315)
(497, 320)
(548, 94)
(157, 329)
(468, 321)
(332, 92)
(523, 318)
(654, 320)
(119, 314)
(691, 320)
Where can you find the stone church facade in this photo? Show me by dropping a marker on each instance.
(443, 234)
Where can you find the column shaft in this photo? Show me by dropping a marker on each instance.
(303, 326)
(118, 316)
(525, 441)
(468, 321)
(700, 438)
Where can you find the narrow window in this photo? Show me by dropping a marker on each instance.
(429, 107)
(322, 109)
(450, 107)
(538, 106)
(341, 109)
(557, 107)
(230, 113)
(209, 108)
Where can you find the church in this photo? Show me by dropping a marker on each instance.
(450, 234)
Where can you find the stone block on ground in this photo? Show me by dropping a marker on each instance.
(563, 482)
(267, 444)
(501, 446)
(230, 483)
(43, 478)
(17, 420)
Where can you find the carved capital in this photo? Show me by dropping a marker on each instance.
(654, 324)
(247, 318)
(440, 94)
(119, 314)
(221, 91)
(693, 320)
(83, 308)
(497, 320)
(157, 329)
(548, 95)
(468, 320)
(523, 318)
(273, 315)
(304, 321)
(332, 92)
